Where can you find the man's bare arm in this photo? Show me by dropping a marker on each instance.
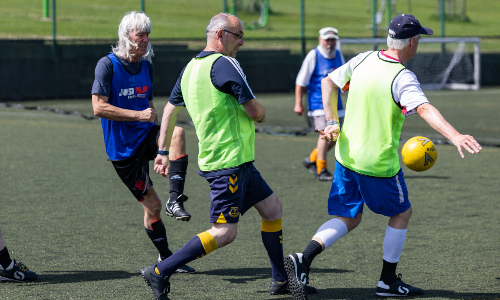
(329, 94)
(168, 120)
(255, 111)
(434, 118)
(299, 91)
(105, 110)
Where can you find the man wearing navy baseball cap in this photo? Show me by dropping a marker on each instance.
(382, 93)
(406, 26)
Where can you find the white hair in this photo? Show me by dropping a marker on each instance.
(137, 22)
(218, 22)
(397, 44)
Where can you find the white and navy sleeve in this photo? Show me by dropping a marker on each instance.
(104, 75)
(228, 77)
(407, 92)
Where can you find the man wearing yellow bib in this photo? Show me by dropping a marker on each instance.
(223, 108)
(382, 92)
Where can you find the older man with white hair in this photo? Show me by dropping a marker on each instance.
(382, 92)
(318, 63)
(122, 96)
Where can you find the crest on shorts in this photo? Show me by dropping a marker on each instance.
(235, 212)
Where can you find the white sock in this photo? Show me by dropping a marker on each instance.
(331, 231)
(394, 241)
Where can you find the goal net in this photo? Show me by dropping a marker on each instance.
(440, 63)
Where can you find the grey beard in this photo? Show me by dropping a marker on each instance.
(330, 53)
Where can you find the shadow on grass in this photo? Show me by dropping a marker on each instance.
(366, 293)
(245, 275)
(427, 177)
(58, 277)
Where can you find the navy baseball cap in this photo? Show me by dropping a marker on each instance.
(406, 26)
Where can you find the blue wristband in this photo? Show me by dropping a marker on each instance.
(163, 152)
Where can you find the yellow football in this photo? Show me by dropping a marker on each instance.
(419, 154)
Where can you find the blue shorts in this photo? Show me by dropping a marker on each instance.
(236, 193)
(382, 195)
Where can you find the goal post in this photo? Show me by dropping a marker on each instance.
(440, 63)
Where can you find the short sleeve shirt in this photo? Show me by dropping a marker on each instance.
(104, 74)
(227, 76)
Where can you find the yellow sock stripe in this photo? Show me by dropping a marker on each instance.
(208, 242)
(271, 226)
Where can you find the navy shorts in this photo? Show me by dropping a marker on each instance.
(351, 190)
(134, 170)
(236, 193)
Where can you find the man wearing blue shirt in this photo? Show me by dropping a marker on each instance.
(122, 97)
(318, 63)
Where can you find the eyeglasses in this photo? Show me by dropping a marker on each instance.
(241, 38)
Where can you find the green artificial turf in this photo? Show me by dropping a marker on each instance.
(65, 213)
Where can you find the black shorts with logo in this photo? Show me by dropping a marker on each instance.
(134, 171)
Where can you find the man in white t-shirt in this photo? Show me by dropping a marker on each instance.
(382, 92)
(319, 62)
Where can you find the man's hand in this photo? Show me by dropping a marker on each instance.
(434, 118)
(331, 133)
(298, 109)
(467, 142)
(147, 115)
(162, 165)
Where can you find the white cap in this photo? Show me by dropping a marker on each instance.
(328, 33)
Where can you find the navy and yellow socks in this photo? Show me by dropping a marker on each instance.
(197, 247)
(272, 237)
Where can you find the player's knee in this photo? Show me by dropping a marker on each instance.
(229, 237)
(153, 208)
(270, 209)
(407, 213)
(276, 207)
(178, 135)
(223, 235)
(351, 223)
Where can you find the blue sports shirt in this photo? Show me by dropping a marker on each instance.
(324, 66)
(128, 91)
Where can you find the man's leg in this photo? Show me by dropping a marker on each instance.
(323, 147)
(156, 229)
(153, 224)
(395, 234)
(177, 176)
(157, 276)
(298, 264)
(218, 236)
(394, 240)
(272, 234)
